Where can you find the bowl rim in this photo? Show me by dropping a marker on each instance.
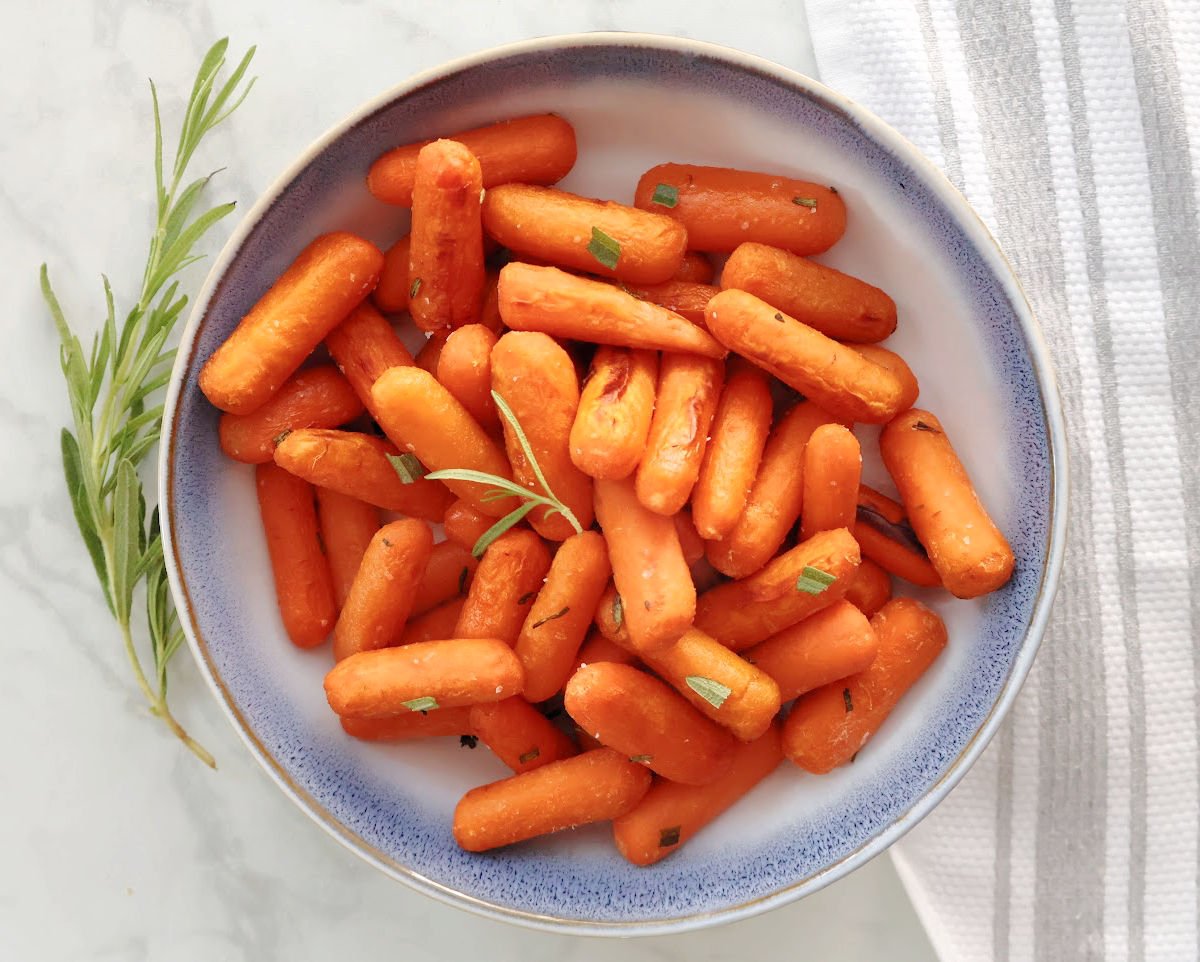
(1052, 413)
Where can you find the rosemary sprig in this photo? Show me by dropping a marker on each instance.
(499, 487)
(113, 391)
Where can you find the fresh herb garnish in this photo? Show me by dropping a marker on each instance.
(407, 467)
(809, 202)
(669, 836)
(711, 691)
(813, 581)
(529, 755)
(414, 288)
(123, 373)
(849, 702)
(422, 704)
(557, 614)
(604, 248)
(502, 487)
(640, 758)
(618, 612)
(468, 741)
(665, 195)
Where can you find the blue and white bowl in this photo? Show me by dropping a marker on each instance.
(965, 328)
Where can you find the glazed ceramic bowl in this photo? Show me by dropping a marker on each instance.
(964, 327)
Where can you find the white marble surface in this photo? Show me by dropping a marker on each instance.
(117, 844)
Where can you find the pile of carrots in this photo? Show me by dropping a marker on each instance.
(703, 552)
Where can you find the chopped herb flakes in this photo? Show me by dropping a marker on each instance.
(604, 248)
(669, 836)
(407, 467)
(665, 195)
(711, 691)
(422, 704)
(813, 581)
(557, 614)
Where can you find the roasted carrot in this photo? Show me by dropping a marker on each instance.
(630, 711)
(536, 378)
(893, 362)
(597, 236)
(363, 346)
(696, 267)
(465, 369)
(423, 418)
(318, 397)
(446, 575)
(489, 313)
(686, 298)
(381, 596)
(531, 150)
(561, 614)
(615, 409)
(671, 813)
(775, 498)
(597, 648)
(722, 208)
(885, 536)
(689, 387)
(563, 305)
(829, 726)
(520, 735)
(871, 588)
(832, 470)
(435, 623)
(690, 541)
(423, 677)
(303, 585)
(836, 304)
(347, 527)
(508, 578)
(593, 787)
(410, 725)
(357, 465)
(965, 547)
(648, 566)
(391, 293)
(463, 523)
(429, 355)
(809, 577)
(835, 642)
(835, 376)
(321, 287)
(737, 438)
(445, 259)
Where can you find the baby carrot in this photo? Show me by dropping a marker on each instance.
(465, 369)
(722, 208)
(690, 541)
(832, 374)
(347, 527)
(318, 397)
(532, 150)
(520, 735)
(610, 618)
(321, 287)
(871, 587)
(563, 305)
(965, 547)
(423, 677)
(381, 596)
(445, 259)
(489, 313)
(893, 362)
(648, 567)
(536, 378)
(423, 418)
(562, 613)
(303, 585)
(391, 293)
(363, 346)
(885, 536)
(593, 787)
(696, 267)
(774, 502)
(836, 304)
(835, 642)
(429, 355)
(410, 725)
(829, 726)
(447, 574)
(435, 623)
(508, 578)
(615, 409)
(735, 448)
(832, 469)
(686, 298)
(689, 387)
(597, 236)
(809, 577)
(637, 714)
(463, 523)
(357, 465)
(670, 813)
(597, 648)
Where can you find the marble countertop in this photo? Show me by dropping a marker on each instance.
(117, 844)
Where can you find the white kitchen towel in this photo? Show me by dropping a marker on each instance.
(1073, 127)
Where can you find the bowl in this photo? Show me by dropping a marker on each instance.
(965, 327)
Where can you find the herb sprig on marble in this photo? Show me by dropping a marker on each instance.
(114, 391)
